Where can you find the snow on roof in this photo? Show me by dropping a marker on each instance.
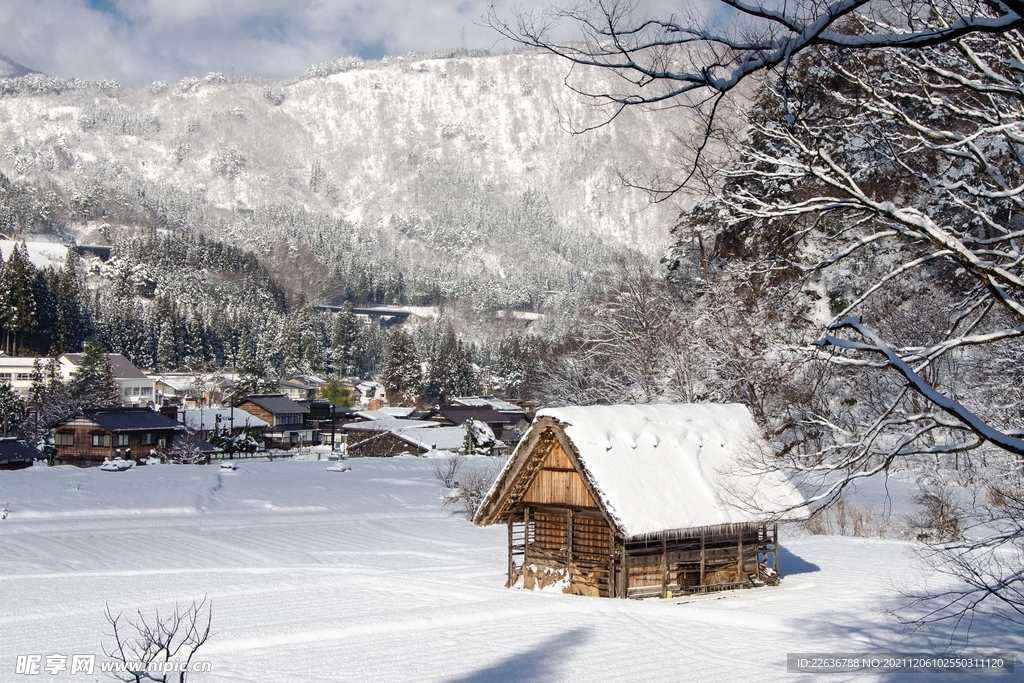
(389, 424)
(122, 367)
(434, 438)
(385, 413)
(661, 467)
(278, 404)
(206, 419)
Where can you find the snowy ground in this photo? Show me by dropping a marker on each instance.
(361, 576)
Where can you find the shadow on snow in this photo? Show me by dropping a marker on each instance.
(535, 664)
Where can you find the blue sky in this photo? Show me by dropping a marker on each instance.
(140, 41)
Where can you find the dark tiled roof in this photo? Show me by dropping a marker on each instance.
(278, 404)
(460, 414)
(132, 420)
(191, 440)
(122, 367)
(12, 450)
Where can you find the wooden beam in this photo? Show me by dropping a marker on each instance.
(611, 563)
(526, 536)
(739, 559)
(775, 547)
(624, 579)
(702, 558)
(568, 540)
(664, 567)
(511, 562)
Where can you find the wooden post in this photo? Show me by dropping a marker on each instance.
(511, 562)
(739, 558)
(664, 567)
(568, 541)
(624, 579)
(702, 558)
(611, 563)
(526, 536)
(775, 547)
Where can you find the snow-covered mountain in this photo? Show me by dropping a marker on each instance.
(11, 69)
(455, 175)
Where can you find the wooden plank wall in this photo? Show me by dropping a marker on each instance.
(558, 483)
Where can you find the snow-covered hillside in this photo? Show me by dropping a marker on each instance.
(362, 576)
(455, 169)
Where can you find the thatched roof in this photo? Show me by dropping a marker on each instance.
(656, 468)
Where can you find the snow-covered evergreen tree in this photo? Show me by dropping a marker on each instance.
(402, 374)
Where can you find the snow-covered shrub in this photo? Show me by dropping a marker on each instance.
(274, 94)
(479, 439)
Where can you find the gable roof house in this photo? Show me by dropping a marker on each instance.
(15, 455)
(93, 435)
(639, 501)
(134, 386)
(285, 419)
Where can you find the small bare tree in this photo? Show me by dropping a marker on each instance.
(446, 470)
(475, 480)
(160, 648)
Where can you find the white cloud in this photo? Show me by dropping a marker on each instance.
(140, 41)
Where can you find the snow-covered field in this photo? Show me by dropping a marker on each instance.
(361, 576)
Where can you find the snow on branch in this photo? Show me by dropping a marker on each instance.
(955, 408)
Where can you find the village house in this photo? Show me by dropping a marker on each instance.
(285, 420)
(94, 435)
(640, 501)
(391, 436)
(15, 455)
(208, 422)
(17, 372)
(326, 419)
(133, 386)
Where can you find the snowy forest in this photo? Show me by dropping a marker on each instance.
(838, 190)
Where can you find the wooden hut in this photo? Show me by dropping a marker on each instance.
(640, 501)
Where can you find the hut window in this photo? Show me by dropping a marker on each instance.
(122, 439)
(148, 439)
(64, 439)
(101, 440)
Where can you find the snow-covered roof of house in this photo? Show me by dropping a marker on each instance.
(434, 438)
(385, 413)
(122, 367)
(484, 401)
(206, 419)
(655, 468)
(278, 404)
(389, 424)
(131, 419)
(461, 414)
(12, 450)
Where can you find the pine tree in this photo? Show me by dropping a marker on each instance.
(19, 276)
(12, 409)
(93, 384)
(450, 370)
(344, 342)
(402, 375)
